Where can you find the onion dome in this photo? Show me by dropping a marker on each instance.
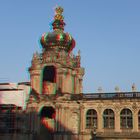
(57, 38)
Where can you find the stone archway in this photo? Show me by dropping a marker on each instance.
(47, 121)
(48, 112)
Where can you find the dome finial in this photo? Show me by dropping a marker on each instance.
(58, 23)
(58, 39)
(59, 10)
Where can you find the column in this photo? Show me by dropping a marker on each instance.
(66, 118)
(82, 119)
(63, 83)
(56, 120)
(100, 121)
(62, 122)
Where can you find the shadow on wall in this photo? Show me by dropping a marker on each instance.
(60, 133)
(48, 134)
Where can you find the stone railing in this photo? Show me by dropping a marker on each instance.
(119, 95)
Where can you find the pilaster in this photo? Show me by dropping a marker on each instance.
(100, 121)
(82, 116)
(117, 121)
(135, 121)
(35, 80)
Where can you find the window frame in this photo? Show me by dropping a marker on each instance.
(91, 119)
(126, 119)
(139, 119)
(108, 119)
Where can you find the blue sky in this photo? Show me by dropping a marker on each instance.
(106, 31)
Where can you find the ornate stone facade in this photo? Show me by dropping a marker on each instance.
(57, 109)
(77, 116)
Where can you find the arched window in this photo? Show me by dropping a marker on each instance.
(49, 74)
(139, 119)
(49, 78)
(108, 118)
(91, 119)
(126, 118)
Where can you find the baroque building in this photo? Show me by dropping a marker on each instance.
(57, 108)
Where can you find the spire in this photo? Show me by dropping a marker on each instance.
(58, 23)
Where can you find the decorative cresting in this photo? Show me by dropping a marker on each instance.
(58, 39)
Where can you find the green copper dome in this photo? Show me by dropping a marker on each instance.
(57, 38)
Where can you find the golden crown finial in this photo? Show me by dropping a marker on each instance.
(59, 10)
(58, 13)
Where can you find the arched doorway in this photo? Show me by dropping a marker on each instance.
(47, 121)
(47, 117)
(47, 112)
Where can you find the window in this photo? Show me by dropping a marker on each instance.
(49, 74)
(49, 77)
(139, 119)
(108, 118)
(126, 119)
(91, 119)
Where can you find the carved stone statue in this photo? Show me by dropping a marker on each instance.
(134, 87)
(79, 53)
